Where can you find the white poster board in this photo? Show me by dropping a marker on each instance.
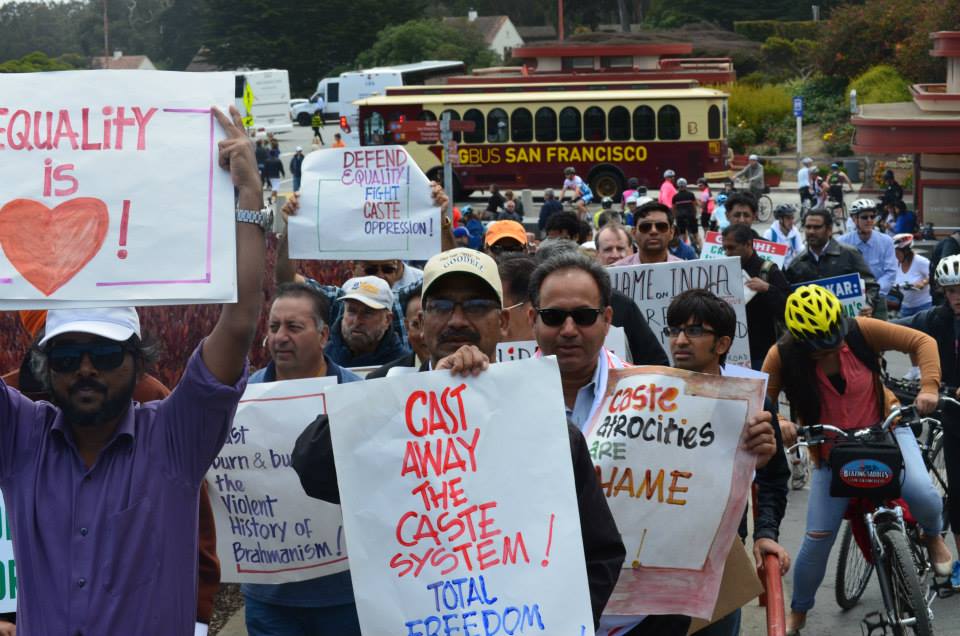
(114, 195)
(616, 341)
(364, 203)
(268, 529)
(447, 519)
(668, 451)
(776, 253)
(8, 568)
(654, 286)
(848, 289)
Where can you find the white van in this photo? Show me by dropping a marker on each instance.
(340, 92)
(270, 106)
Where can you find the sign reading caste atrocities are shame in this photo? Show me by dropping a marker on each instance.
(268, 529)
(113, 196)
(654, 286)
(667, 448)
(459, 504)
(370, 202)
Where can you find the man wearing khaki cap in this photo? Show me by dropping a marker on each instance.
(362, 336)
(505, 236)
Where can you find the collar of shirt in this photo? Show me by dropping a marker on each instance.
(589, 396)
(126, 427)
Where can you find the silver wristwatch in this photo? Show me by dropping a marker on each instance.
(263, 218)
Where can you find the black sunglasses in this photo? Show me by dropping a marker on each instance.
(582, 316)
(371, 270)
(498, 249)
(104, 356)
(662, 226)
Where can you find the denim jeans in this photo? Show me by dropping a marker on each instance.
(825, 513)
(267, 619)
(906, 312)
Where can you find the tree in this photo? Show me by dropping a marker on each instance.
(786, 59)
(37, 62)
(427, 40)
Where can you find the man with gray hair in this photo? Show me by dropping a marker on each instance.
(550, 207)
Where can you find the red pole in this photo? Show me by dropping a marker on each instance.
(776, 615)
(560, 19)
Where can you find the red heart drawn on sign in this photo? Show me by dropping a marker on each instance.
(48, 247)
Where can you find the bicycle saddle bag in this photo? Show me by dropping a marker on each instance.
(870, 469)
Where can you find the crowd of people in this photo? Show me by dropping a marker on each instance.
(90, 474)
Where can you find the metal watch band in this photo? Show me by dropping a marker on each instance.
(257, 217)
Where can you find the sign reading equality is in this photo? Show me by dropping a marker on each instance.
(268, 529)
(364, 203)
(847, 288)
(666, 445)
(653, 286)
(114, 195)
(459, 504)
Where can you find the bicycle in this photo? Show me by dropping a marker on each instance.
(764, 202)
(866, 466)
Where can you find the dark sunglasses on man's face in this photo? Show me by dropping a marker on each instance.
(867, 217)
(582, 316)
(104, 356)
(371, 270)
(498, 248)
(645, 227)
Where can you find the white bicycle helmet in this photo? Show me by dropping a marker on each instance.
(861, 205)
(948, 271)
(901, 241)
(669, 173)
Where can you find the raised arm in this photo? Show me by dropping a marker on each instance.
(225, 349)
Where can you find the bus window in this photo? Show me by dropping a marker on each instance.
(454, 116)
(477, 136)
(713, 122)
(594, 124)
(644, 124)
(373, 130)
(497, 130)
(521, 125)
(570, 124)
(618, 123)
(668, 122)
(546, 124)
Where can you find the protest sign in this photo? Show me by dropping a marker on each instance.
(767, 250)
(847, 288)
(616, 341)
(667, 447)
(459, 504)
(653, 286)
(8, 568)
(364, 203)
(114, 196)
(268, 529)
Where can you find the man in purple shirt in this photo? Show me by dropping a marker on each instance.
(101, 491)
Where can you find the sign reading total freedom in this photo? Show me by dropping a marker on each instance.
(86, 218)
(452, 527)
(268, 529)
(364, 203)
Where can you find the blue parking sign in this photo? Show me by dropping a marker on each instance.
(798, 107)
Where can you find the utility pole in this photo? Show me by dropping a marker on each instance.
(560, 20)
(106, 36)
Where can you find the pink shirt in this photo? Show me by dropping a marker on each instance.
(667, 190)
(634, 259)
(857, 407)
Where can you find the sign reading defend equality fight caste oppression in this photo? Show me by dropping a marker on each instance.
(653, 286)
(767, 250)
(268, 529)
(113, 196)
(847, 288)
(362, 203)
(459, 504)
(667, 447)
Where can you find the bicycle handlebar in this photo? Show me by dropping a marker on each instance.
(814, 434)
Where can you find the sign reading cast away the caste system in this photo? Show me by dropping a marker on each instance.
(113, 196)
(459, 504)
(847, 288)
(667, 447)
(268, 529)
(653, 286)
(362, 203)
(767, 250)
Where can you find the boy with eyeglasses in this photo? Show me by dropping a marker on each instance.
(653, 232)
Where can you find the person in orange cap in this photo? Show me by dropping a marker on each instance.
(505, 236)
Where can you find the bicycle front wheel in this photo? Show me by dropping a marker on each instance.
(764, 208)
(853, 571)
(909, 605)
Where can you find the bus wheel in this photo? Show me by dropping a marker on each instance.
(303, 119)
(606, 183)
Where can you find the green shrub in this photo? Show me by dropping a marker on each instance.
(837, 141)
(759, 108)
(760, 30)
(783, 135)
(741, 137)
(880, 84)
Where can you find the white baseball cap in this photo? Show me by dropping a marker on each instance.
(462, 260)
(753, 158)
(299, 148)
(372, 291)
(112, 323)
